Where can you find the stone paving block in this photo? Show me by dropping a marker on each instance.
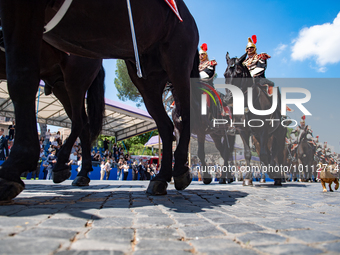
(211, 244)
(230, 251)
(261, 238)
(124, 246)
(241, 228)
(190, 221)
(110, 234)
(162, 245)
(39, 213)
(149, 212)
(117, 222)
(72, 213)
(157, 252)
(160, 234)
(284, 225)
(9, 232)
(6, 210)
(153, 222)
(311, 236)
(285, 249)
(64, 223)
(75, 252)
(18, 246)
(14, 222)
(116, 212)
(334, 247)
(47, 233)
(201, 231)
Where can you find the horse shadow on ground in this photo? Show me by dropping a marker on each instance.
(91, 202)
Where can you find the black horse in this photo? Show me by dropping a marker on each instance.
(70, 88)
(100, 29)
(238, 75)
(202, 125)
(305, 156)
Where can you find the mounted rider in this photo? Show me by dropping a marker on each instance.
(296, 133)
(206, 67)
(257, 65)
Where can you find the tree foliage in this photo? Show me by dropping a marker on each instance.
(134, 145)
(126, 89)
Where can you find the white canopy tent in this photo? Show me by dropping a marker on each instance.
(121, 121)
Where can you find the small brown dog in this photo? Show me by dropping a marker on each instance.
(329, 174)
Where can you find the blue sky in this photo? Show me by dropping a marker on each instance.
(299, 35)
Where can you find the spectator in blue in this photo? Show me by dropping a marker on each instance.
(51, 160)
(142, 170)
(116, 155)
(3, 146)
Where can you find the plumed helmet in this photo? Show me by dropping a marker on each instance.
(204, 49)
(251, 42)
(302, 121)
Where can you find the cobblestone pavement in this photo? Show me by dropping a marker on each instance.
(117, 217)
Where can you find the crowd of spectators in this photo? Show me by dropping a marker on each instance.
(119, 159)
(115, 159)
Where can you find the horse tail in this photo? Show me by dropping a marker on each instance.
(96, 104)
(194, 72)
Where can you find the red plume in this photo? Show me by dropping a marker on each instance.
(303, 117)
(204, 47)
(254, 38)
(317, 136)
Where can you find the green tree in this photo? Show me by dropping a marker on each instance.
(126, 89)
(134, 145)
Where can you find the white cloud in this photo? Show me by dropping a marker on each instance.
(319, 69)
(320, 42)
(281, 47)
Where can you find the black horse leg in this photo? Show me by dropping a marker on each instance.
(82, 178)
(206, 176)
(23, 75)
(82, 74)
(225, 148)
(151, 90)
(181, 63)
(245, 135)
(61, 93)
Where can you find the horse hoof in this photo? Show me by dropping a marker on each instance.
(182, 181)
(222, 181)
(230, 180)
(247, 182)
(277, 182)
(157, 188)
(81, 181)
(262, 181)
(207, 180)
(9, 190)
(61, 176)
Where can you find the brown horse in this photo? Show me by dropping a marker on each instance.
(70, 89)
(100, 29)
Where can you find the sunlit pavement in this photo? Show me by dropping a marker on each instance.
(117, 217)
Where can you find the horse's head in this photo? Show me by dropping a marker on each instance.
(236, 71)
